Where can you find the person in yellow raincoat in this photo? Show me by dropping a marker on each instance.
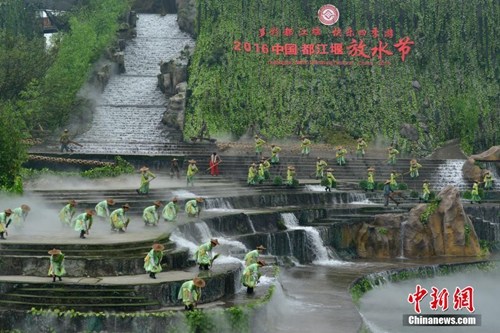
(102, 208)
(56, 268)
(340, 155)
(152, 262)
(83, 223)
(203, 254)
(393, 180)
(425, 191)
(252, 175)
(475, 193)
(414, 166)
(67, 213)
(171, 210)
(275, 154)
(19, 215)
(290, 176)
(119, 219)
(146, 177)
(370, 181)
(251, 275)
(321, 166)
(192, 209)
(4, 222)
(360, 148)
(190, 293)
(488, 180)
(253, 256)
(305, 146)
(259, 143)
(330, 180)
(393, 152)
(192, 170)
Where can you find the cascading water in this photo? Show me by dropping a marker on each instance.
(314, 241)
(128, 113)
(217, 204)
(448, 173)
(402, 240)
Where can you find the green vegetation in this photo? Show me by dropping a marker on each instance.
(382, 230)
(453, 59)
(431, 207)
(277, 181)
(38, 87)
(120, 167)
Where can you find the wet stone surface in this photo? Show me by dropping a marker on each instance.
(128, 113)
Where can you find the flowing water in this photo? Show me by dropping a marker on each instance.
(128, 113)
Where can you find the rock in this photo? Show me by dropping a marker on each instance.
(448, 232)
(381, 238)
(119, 58)
(177, 73)
(409, 132)
(415, 84)
(471, 171)
(491, 155)
(186, 16)
(181, 87)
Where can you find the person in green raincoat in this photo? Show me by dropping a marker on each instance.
(393, 152)
(259, 143)
(252, 175)
(425, 191)
(119, 219)
(192, 170)
(203, 254)
(152, 262)
(67, 212)
(19, 215)
(393, 178)
(475, 193)
(275, 154)
(151, 214)
(4, 222)
(190, 292)
(488, 180)
(102, 208)
(171, 210)
(56, 268)
(321, 166)
(340, 155)
(290, 176)
(83, 223)
(251, 275)
(370, 181)
(192, 209)
(305, 146)
(330, 180)
(253, 256)
(414, 166)
(146, 177)
(360, 148)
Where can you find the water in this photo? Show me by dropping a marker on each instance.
(128, 113)
(183, 194)
(320, 252)
(448, 173)
(218, 204)
(383, 307)
(402, 240)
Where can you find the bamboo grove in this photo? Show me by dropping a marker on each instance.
(454, 59)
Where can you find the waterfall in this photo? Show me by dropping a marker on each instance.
(127, 118)
(197, 233)
(358, 198)
(251, 224)
(402, 240)
(183, 194)
(448, 173)
(217, 204)
(313, 239)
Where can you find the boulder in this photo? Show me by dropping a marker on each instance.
(491, 155)
(448, 231)
(186, 16)
(381, 238)
(471, 171)
(409, 132)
